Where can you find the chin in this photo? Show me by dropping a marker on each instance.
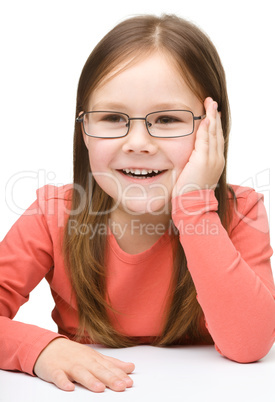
(153, 207)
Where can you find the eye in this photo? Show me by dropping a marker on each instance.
(166, 120)
(114, 118)
(172, 118)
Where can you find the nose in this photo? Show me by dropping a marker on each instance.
(138, 140)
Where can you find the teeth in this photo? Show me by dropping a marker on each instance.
(141, 173)
(137, 171)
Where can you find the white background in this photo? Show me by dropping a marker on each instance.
(44, 46)
(174, 374)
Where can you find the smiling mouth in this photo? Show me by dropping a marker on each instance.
(141, 173)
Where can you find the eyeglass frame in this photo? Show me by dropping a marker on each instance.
(80, 119)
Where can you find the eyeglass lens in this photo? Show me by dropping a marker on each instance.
(172, 123)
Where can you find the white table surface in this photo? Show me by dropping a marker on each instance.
(178, 373)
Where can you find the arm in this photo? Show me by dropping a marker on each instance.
(232, 274)
(25, 259)
(26, 256)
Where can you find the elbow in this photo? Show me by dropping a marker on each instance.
(245, 353)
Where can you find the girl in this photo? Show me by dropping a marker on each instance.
(150, 244)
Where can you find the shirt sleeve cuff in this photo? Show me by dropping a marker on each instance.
(195, 203)
(36, 348)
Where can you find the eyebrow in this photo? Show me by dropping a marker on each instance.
(115, 106)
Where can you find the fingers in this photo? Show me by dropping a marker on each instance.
(206, 162)
(99, 376)
(96, 381)
(207, 102)
(212, 115)
(84, 377)
(209, 146)
(214, 137)
(65, 362)
(220, 137)
(216, 140)
(60, 379)
(112, 376)
(127, 367)
(202, 141)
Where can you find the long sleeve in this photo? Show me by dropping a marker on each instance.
(231, 271)
(26, 256)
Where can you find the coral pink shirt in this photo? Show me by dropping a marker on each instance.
(231, 272)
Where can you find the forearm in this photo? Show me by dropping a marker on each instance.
(239, 307)
(21, 344)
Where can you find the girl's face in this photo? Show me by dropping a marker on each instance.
(152, 84)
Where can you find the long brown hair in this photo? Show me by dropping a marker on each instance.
(199, 63)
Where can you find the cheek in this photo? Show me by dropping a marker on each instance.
(182, 152)
(100, 157)
(98, 162)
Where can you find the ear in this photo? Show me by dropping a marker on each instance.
(84, 136)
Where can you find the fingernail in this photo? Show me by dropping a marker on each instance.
(128, 382)
(215, 106)
(206, 121)
(99, 385)
(120, 384)
(69, 386)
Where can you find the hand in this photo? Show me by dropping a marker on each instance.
(206, 162)
(63, 362)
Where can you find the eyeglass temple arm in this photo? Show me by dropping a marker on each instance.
(199, 117)
(79, 118)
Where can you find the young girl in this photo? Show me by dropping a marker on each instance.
(150, 244)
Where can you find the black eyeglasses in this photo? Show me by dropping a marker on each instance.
(161, 124)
